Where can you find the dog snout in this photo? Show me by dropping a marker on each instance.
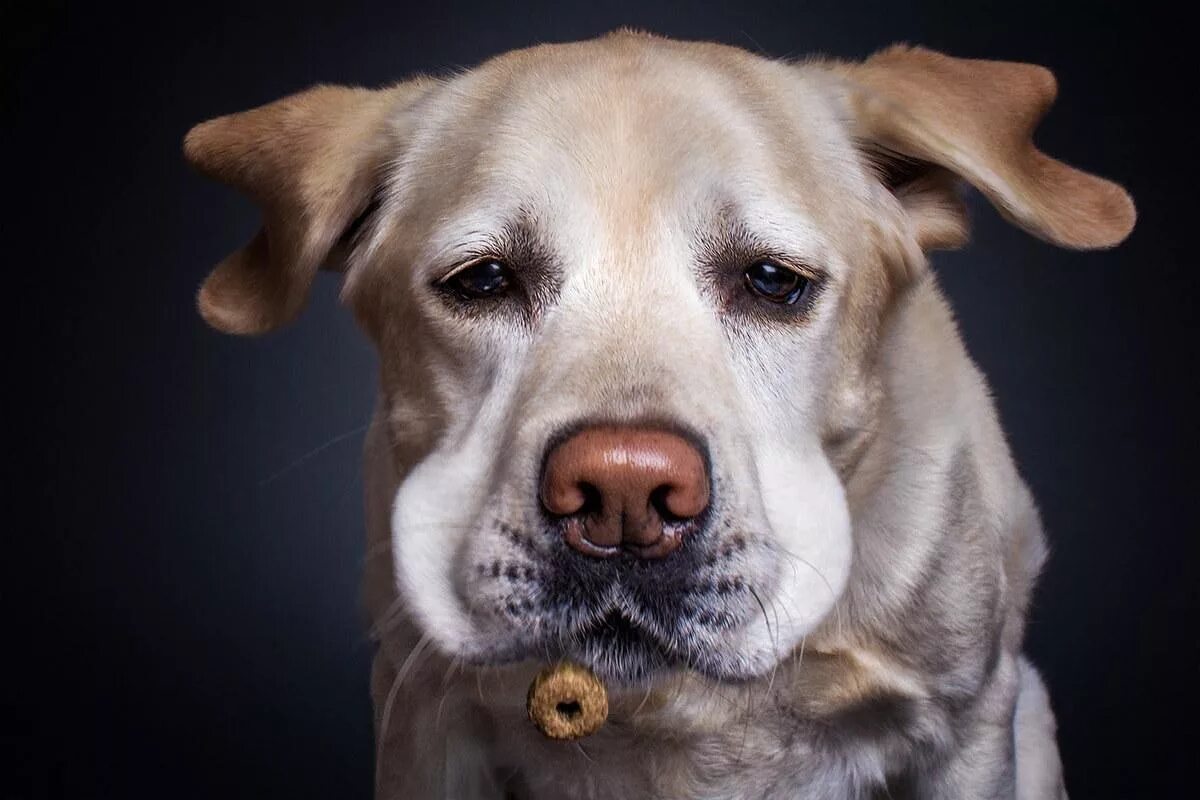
(625, 489)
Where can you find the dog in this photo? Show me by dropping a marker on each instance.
(668, 389)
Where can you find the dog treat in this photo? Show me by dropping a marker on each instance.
(566, 701)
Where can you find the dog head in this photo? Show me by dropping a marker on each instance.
(627, 296)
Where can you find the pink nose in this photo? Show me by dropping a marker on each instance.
(617, 488)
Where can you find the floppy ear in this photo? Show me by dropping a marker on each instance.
(915, 108)
(310, 161)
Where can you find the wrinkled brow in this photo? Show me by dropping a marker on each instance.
(732, 238)
(520, 241)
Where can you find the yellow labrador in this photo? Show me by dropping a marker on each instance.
(668, 389)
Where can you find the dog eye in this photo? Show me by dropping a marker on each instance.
(483, 279)
(775, 283)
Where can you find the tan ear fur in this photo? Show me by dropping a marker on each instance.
(310, 162)
(976, 119)
(936, 210)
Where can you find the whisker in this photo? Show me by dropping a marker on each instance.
(314, 453)
(797, 663)
(579, 747)
(390, 620)
(479, 686)
(385, 718)
(766, 618)
(455, 664)
(837, 607)
(745, 728)
(645, 699)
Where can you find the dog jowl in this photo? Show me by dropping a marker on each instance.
(669, 390)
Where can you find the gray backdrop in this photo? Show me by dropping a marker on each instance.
(186, 512)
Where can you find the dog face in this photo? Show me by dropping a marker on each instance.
(627, 296)
(627, 214)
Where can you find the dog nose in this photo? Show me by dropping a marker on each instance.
(620, 489)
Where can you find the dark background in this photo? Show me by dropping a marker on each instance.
(184, 532)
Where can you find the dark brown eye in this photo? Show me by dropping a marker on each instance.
(484, 279)
(775, 283)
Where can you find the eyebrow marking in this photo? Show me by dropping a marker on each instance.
(520, 243)
(726, 245)
(728, 242)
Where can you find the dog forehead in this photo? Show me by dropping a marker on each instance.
(624, 130)
(618, 106)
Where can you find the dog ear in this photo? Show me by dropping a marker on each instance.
(310, 161)
(926, 118)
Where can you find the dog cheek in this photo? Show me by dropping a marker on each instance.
(809, 518)
(427, 532)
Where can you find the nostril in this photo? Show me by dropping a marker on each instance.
(593, 499)
(661, 501)
(679, 503)
(572, 499)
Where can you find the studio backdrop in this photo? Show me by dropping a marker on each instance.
(186, 527)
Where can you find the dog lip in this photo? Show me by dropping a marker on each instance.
(619, 650)
(630, 654)
(616, 627)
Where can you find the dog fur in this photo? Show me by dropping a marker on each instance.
(849, 622)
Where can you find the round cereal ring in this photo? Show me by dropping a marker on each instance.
(566, 701)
